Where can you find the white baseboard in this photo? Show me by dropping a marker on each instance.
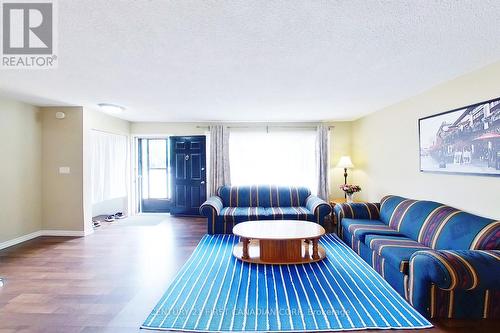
(63, 233)
(24, 238)
(20, 239)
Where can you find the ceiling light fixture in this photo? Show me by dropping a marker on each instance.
(111, 108)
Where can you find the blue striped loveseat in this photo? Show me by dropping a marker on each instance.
(444, 261)
(235, 204)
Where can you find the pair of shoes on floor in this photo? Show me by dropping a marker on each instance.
(119, 216)
(96, 224)
(112, 218)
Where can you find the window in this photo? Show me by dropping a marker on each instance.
(154, 168)
(280, 157)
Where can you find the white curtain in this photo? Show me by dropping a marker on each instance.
(108, 166)
(219, 173)
(322, 158)
(273, 156)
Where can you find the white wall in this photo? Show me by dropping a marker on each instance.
(20, 170)
(111, 206)
(151, 129)
(386, 150)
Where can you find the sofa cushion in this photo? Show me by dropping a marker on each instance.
(263, 196)
(447, 228)
(487, 238)
(396, 251)
(242, 214)
(358, 228)
(439, 226)
(387, 206)
(405, 215)
(290, 213)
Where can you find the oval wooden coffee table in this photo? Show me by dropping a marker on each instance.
(279, 242)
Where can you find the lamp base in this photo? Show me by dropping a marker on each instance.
(345, 181)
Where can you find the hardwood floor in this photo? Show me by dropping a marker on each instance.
(109, 281)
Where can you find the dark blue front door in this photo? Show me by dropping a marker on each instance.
(188, 167)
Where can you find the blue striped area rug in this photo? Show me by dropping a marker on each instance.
(214, 292)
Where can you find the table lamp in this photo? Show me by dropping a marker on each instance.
(345, 163)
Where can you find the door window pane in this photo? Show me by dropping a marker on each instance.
(154, 169)
(157, 183)
(158, 154)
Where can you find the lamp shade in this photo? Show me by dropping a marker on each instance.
(345, 162)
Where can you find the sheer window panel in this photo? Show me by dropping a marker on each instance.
(108, 166)
(280, 157)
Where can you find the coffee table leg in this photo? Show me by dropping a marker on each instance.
(307, 254)
(245, 242)
(315, 249)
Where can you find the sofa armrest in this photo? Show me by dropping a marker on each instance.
(211, 209)
(319, 207)
(356, 210)
(213, 204)
(461, 269)
(451, 270)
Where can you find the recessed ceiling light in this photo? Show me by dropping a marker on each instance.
(111, 108)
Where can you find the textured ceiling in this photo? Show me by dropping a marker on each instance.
(258, 60)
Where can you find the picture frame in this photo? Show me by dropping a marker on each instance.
(463, 141)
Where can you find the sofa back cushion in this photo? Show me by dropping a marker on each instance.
(439, 226)
(263, 196)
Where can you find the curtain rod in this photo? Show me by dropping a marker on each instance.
(271, 126)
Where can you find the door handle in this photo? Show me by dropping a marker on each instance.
(202, 182)
(186, 157)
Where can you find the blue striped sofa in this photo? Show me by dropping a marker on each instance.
(444, 261)
(235, 204)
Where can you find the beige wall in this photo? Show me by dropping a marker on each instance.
(340, 140)
(62, 142)
(385, 148)
(20, 170)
